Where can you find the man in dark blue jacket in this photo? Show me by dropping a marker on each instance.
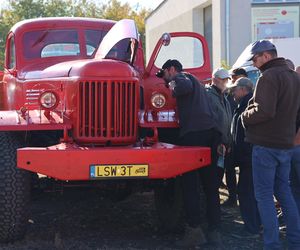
(242, 91)
(197, 128)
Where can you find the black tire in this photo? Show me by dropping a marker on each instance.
(14, 191)
(168, 198)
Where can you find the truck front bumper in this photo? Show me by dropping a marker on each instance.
(67, 161)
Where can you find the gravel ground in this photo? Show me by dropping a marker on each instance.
(83, 219)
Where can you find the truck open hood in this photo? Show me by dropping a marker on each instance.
(242, 60)
(120, 42)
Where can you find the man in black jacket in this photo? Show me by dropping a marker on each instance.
(197, 128)
(242, 91)
(270, 121)
(230, 173)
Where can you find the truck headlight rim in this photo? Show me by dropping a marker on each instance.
(158, 100)
(49, 100)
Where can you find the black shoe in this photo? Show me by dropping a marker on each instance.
(243, 234)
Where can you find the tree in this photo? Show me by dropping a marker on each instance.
(58, 8)
(25, 9)
(116, 11)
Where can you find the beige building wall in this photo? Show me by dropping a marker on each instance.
(229, 35)
(240, 27)
(171, 16)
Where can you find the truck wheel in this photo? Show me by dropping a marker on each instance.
(14, 191)
(168, 198)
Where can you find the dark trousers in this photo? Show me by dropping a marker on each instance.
(248, 204)
(208, 178)
(230, 176)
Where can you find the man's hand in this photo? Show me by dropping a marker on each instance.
(221, 149)
(172, 85)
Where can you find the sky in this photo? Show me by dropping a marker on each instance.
(149, 4)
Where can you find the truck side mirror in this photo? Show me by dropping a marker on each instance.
(166, 39)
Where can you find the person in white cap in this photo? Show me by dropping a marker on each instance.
(221, 112)
(270, 121)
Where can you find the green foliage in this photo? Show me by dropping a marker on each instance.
(225, 65)
(24, 9)
(116, 11)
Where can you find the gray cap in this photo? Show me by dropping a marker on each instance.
(260, 46)
(242, 82)
(221, 73)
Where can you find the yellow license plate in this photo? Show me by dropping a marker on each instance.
(119, 171)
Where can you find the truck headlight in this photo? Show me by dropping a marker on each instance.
(158, 100)
(49, 100)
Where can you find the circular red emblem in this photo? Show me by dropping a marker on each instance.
(284, 12)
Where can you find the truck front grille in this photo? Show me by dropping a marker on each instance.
(107, 111)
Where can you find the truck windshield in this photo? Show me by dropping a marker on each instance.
(56, 43)
(47, 43)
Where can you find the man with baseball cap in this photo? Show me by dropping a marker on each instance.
(242, 82)
(222, 112)
(230, 173)
(270, 122)
(167, 65)
(242, 91)
(197, 128)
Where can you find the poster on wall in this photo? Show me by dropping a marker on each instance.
(269, 22)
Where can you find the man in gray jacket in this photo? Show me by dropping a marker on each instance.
(221, 112)
(270, 122)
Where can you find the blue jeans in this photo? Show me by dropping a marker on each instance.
(271, 170)
(295, 175)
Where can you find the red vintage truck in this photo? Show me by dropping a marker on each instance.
(79, 106)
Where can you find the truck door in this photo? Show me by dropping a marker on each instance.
(187, 47)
